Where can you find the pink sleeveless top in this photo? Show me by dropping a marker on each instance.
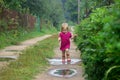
(65, 40)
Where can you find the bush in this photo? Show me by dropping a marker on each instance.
(99, 41)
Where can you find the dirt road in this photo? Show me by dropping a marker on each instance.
(74, 55)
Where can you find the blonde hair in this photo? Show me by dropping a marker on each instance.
(64, 27)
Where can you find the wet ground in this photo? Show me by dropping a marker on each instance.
(59, 61)
(63, 71)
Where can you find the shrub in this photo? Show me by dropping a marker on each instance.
(99, 41)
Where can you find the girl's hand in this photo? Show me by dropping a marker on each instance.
(59, 39)
(75, 35)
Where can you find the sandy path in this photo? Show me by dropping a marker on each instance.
(74, 54)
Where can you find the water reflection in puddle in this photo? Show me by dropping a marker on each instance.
(63, 72)
(59, 61)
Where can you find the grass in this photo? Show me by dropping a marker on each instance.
(14, 37)
(5, 59)
(32, 61)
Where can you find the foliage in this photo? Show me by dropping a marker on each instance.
(52, 10)
(56, 14)
(32, 61)
(46, 10)
(71, 10)
(13, 4)
(115, 70)
(86, 6)
(98, 40)
(3, 25)
(35, 7)
(1, 3)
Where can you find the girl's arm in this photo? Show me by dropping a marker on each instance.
(59, 39)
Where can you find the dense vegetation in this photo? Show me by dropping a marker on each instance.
(99, 41)
(83, 7)
(50, 10)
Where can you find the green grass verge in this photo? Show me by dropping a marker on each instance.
(32, 61)
(14, 37)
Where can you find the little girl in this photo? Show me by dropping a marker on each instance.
(64, 39)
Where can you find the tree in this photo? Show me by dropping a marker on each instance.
(50, 10)
(56, 12)
(88, 5)
(46, 10)
(13, 4)
(36, 7)
(71, 11)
